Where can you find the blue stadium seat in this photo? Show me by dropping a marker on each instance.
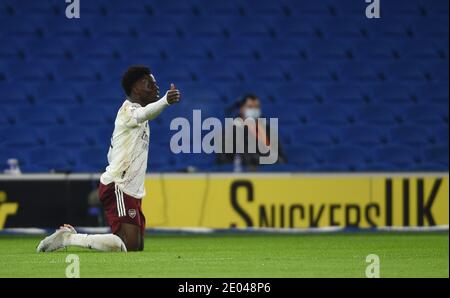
(5, 117)
(209, 28)
(429, 167)
(46, 49)
(394, 28)
(94, 8)
(373, 50)
(347, 8)
(437, 154)
(332, 168)
(300, 28)
(145, 52)
(420, 50)
(102, 93)
(426, 114)
(285, 117)
(433, 92)
(303, 94)
(302, 156)
(377, 115)
(172, 7)
(264, 71)
(176, 50)
(10, 50)
(160, 155)
(424, 29)
(329, 50)
(314, 135)
(103, 50)
(54, 28)
(19, 137)
(102, 136)
(357, 72)
(401, 8)
(110, 27)
(69, 137)
(42, 115)
(343, 28)
(55, 94)
(438, 7)
(233, 49)
(348, 156)
(233, 92)
(14, 94)
(383, 167)
(262, 8)
(29, 72)
(311, 72)
(79, 72)
(278, 168)
(32, 8)
(342, 94)
(201, 93)
(411, 135)
(159, 133)
(92, 159)
(161, 27)
(24, 27)
(438, 72)
(86, 115)
(399, 156)
(309, 8)
(173, 71)
(390, 93)
(362, 135)
(404, 71)
(250, 27)
(333, 114)
(217, 71)
(440, 134)
(218, 8)
(198, 160)
(133, 9)
(277, 50)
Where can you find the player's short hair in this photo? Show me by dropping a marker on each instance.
(132, 75)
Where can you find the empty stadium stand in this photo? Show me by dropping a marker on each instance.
(351, 94)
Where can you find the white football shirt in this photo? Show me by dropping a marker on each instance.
(128, 152)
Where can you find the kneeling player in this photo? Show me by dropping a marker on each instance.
(122, 184)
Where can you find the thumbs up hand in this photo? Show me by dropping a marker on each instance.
(173, 95)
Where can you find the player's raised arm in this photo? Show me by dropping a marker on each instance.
(152, 110)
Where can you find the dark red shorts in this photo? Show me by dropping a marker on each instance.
(120, 208)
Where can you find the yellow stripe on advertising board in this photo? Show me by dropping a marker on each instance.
(296, 201)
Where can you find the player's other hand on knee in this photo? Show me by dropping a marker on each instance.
(173, 95)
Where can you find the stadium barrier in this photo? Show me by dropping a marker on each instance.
(243, 202)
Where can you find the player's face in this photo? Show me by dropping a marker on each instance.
(149, 89)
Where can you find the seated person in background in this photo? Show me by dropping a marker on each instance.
(249, 107)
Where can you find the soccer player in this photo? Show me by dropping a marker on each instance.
(122, 184)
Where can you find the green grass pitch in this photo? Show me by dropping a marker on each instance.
(241, 255)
